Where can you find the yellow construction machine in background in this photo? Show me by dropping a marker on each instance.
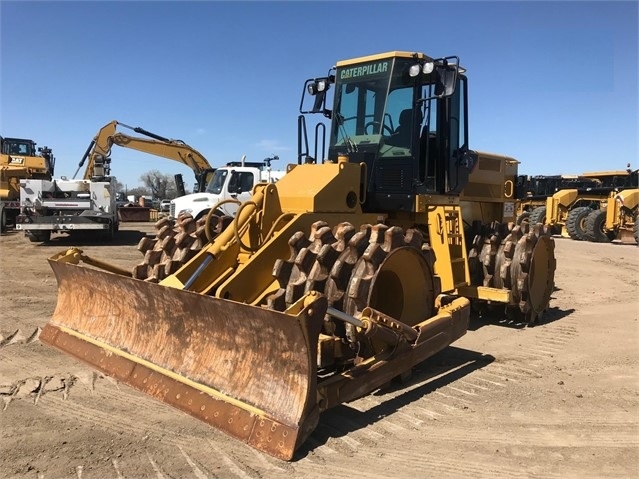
(566, 211)
(99, 152)
(618, 221)
(326, 285)
(89, 204)
(19, 160)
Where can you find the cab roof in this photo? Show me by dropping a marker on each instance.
(381, 56)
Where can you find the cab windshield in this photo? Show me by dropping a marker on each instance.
(216, 185)
(18, 147)
(374, 104)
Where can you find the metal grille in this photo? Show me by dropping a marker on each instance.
(392, 178)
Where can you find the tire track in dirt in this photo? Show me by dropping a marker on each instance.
(35, 388)
(549, 340)
(145, 423)
(348, 440)
(432, 464)
(18, 337)
(452, 400)
(375, 421)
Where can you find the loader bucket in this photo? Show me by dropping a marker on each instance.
(248, 371)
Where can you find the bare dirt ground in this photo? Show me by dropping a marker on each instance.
(560, 400)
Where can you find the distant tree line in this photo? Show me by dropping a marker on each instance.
(155, 184)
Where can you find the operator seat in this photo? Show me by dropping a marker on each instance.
(403, 133)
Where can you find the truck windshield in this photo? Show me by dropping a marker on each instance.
(216, 185)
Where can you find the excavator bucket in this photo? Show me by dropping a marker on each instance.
(246, 370)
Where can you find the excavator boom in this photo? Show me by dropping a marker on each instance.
(177, 150)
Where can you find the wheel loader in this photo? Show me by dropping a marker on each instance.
(565, 212)
(533, 192)
(617, 222)
(326, 285)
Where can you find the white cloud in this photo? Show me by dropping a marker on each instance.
(271, 146)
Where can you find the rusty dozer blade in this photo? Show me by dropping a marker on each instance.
(248, 371)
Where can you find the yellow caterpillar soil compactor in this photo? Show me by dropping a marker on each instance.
(326, 285)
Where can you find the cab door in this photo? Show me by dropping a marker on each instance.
(239, 187)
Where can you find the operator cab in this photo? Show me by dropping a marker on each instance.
(405, 116)
(18, 146)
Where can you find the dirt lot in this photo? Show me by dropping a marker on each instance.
(557, 400)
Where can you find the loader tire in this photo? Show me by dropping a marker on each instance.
(596, 227)
(576, 222)
(3, 219)
(636, 229)
(538, 215)
(523, 218)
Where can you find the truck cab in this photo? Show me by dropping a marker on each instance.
(233, 182)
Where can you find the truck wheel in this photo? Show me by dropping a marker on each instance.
(596, 227)
(538, 215)
(109, 234)
(39, 236)
(3, 219)
(576, 222)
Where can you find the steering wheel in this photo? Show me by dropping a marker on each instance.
(385, 127)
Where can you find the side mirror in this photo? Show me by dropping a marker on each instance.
(446, 80)
(442, 73)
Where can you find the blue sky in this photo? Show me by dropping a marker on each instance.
(553, 84)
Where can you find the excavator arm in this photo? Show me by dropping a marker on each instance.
(99, 151)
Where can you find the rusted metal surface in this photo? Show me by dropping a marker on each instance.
(263, 433)
(433, 335)
(134, 213)
(252, 371)
(254, 367)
